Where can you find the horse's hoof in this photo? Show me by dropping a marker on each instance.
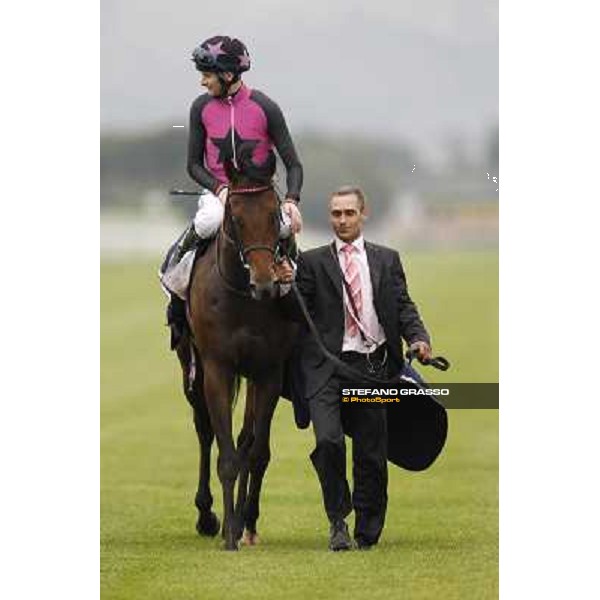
(237, 528)
(231, 545)
(250, 539)
(208, 524)
(237, 534)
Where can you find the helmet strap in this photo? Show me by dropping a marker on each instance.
(226, 85)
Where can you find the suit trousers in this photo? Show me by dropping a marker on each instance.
(367, 424)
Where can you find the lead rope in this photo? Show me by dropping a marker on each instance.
(354, 373)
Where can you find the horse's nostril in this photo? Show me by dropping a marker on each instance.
(263, 290)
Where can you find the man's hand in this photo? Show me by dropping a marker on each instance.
(291, 210)
(284, 271)
(422, 351)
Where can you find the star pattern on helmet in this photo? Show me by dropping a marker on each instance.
(244, 60)
(225, 149)
(215, 49)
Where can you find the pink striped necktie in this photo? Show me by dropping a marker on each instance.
(352, 275)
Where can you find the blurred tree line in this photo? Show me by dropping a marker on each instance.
(134, 165)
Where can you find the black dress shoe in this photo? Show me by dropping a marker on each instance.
(339, 538)
(364, 546)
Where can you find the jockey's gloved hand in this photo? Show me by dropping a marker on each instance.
(290, 208)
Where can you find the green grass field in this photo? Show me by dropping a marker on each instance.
(441, 534)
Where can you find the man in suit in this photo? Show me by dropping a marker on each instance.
(363, 321)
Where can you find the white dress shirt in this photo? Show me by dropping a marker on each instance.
(370, 324)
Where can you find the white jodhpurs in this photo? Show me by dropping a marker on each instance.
(209, 215)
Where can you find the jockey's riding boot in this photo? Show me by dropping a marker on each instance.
(184, 242)
(202, 245)
(187, 242)
(176, 317)
(176, 310)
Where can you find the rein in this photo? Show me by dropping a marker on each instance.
(244, 292)
(438, 362)
(251, 190)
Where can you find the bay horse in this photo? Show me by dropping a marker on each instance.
(236, 329)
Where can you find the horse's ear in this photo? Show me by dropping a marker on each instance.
(232, 173)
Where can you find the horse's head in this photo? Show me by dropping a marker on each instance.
(252, 220)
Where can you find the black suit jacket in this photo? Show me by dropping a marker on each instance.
(319, 280)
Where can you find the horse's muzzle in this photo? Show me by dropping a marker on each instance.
(263, 291)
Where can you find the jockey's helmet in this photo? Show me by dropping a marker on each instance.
(220, 54)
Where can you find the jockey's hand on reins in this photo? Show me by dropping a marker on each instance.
(291, 209)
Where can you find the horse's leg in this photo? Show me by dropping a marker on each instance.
(244, 442)
(208, 522)
(267, 395)
(218, 389)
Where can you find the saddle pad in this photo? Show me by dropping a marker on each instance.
(177, 278)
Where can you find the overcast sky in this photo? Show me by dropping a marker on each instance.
(410, 69)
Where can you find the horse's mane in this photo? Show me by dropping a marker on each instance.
(247, 171)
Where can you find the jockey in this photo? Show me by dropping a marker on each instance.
(229, 119)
